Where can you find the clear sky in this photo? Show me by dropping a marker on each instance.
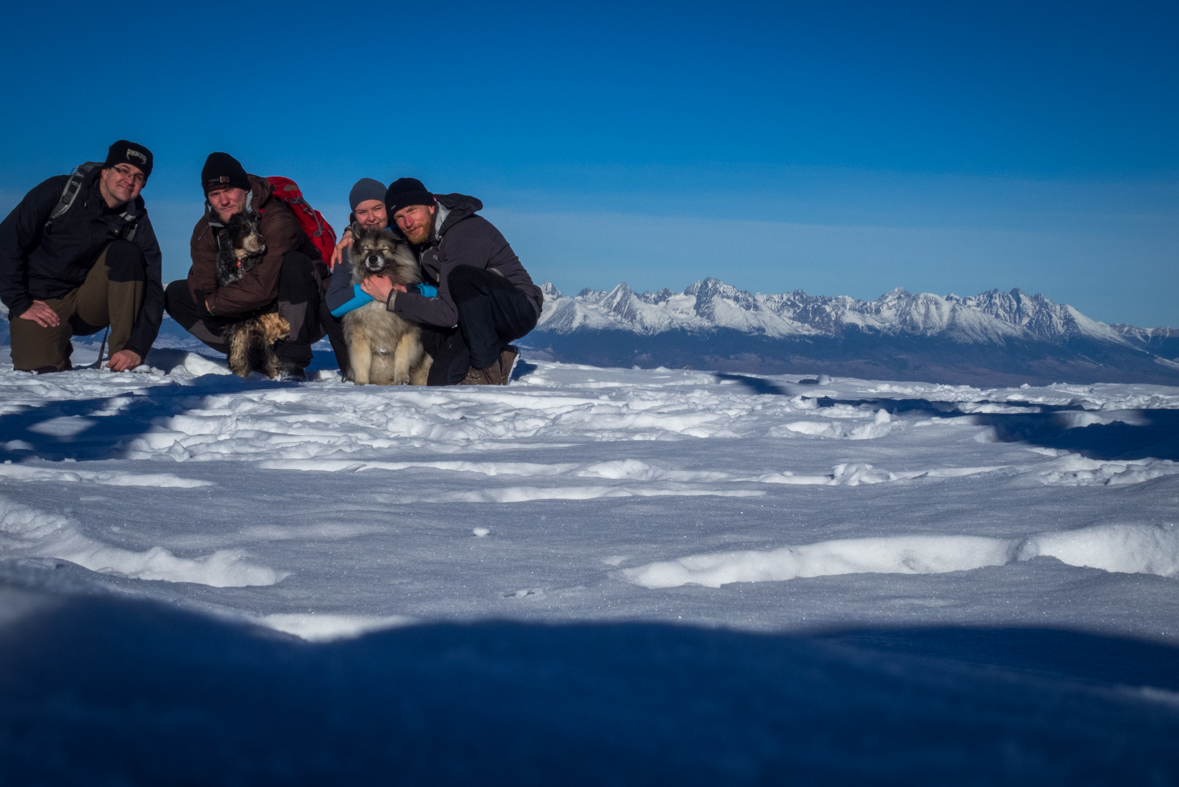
(838, 148)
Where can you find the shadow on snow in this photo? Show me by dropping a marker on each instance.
(127, 691)
(100, 427)
(1150, 433)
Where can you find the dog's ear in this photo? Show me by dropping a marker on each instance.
(356, 229)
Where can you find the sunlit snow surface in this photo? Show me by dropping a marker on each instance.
(830, 579)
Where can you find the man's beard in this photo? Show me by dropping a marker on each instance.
(231, 212)
(426, 232)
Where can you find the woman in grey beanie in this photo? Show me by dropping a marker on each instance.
(364, 190)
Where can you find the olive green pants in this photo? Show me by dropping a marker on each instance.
(99, 302)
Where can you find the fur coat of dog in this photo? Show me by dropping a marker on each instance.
(384, 349)
(240, 247)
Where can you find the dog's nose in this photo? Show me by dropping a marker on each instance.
(373, 261)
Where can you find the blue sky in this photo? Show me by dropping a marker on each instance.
(838, 148)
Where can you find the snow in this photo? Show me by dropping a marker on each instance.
(1130, 549)
(592, 575)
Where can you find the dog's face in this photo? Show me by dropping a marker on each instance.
(243, 235)
(381, 253)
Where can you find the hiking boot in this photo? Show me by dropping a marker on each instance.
(289, 371)
(507, 363)
(488, 376)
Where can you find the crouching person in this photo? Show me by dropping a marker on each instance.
(367, 201)
(485, 298)
(280, 282)
(79, 254)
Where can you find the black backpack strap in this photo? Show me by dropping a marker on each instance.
(130, 223)
(70, 193)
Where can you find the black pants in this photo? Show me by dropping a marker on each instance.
(334, 328)
(298, 302)
(491, 314)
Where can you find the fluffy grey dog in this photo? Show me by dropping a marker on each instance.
(384, 349)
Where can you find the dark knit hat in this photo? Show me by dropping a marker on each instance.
(364, 190)
(124, 152)
(405, 192)
(223, 171)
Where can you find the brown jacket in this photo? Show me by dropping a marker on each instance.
(258, 289)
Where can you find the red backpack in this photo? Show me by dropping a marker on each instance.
(322, 236)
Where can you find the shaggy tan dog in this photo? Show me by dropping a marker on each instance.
(384, 349)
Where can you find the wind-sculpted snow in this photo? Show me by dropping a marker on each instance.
(25, 531)
(302, 543)
(1134, 549)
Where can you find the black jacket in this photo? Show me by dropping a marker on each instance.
(39, 264)
(461, 238)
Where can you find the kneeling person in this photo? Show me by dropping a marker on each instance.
(79, 254)
(481, 286)
(286, 281)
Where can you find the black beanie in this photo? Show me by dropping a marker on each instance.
(223, 171)
(124, 152)
(405, 192)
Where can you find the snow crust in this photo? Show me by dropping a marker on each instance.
(306, 583)
(1131, 549)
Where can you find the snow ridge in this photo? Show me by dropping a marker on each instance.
(991, 317)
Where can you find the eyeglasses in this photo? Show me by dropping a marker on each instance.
(127, 172)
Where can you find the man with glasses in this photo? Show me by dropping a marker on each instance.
(79, 254)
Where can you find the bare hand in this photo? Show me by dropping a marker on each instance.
(345, 242)
(41, 314)
(124, 360)
(379, 287)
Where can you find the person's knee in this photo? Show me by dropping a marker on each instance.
(179, 304)
(297, 280)
(296, 263)
(125, 262)
(465, 282)
(176, 294)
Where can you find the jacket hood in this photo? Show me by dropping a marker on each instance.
(458, 207)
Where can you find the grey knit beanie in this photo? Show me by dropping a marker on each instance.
(366, 189)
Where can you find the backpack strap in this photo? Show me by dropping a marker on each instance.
(130, 225)
(69, 195)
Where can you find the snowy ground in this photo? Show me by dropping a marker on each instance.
(589, 576)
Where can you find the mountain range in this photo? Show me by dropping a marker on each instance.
(995, 338)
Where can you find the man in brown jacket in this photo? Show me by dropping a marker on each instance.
(287, 281)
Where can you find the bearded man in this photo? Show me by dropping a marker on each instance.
(485, 298)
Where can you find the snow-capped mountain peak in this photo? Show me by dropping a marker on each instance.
(710, 304)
